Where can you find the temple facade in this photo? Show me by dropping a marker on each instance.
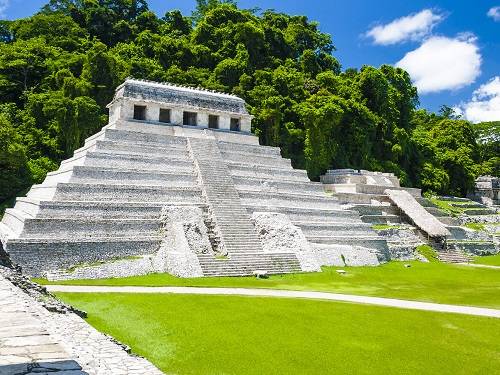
(176, 183)
(139, 100)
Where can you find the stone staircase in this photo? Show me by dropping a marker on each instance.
(237, 233)
(266, 182)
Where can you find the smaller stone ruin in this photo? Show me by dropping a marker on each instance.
(487, 190)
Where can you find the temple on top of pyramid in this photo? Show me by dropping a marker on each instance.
(177, 183)
(177, 105)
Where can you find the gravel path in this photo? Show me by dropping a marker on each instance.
(391, 302)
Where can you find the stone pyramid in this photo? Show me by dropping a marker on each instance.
(177, 183)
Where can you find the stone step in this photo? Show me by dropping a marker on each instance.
(150, 163)
(37, 255)
(467, 204)
(436, 212)
(359, 198)
(138, 148)
(381, 219)
(320, 229)
(142, 137)
(94, 209)
(369, 209)
(307, 213)
(448, 220)
(261, 171)
(247, 148)
(88, 228)
(262, 160)
(88, 174)
(117, 193)
(252, 183)
(251, 197)
(369, 189)
(474, 247)
(371, 242)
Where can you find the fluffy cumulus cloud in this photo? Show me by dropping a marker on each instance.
(412, 27)
(442, 63)
(485, 103)
(494, 13)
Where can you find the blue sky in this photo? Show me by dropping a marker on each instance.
(451, 48)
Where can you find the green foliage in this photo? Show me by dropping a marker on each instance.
(428, 252)
(59, 69)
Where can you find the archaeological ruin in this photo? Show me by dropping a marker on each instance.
(176, 182)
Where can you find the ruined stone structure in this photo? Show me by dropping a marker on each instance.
(380, 199)
(487, 190)
(177, 183)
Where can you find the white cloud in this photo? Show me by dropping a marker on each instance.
(442, 63)
(412, 27)
(4, 4)
(485, 103)
(494, 13)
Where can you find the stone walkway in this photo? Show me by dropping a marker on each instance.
(34, 340)
(391, 302)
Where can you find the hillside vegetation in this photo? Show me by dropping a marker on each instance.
(59, 68)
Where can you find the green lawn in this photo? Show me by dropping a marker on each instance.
(433, 282)
(186, 334)
(491, 260)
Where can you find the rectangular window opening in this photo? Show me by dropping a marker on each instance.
(189, 118)
(164, 115)
(139, 112)
(213, 122)
(235, 124)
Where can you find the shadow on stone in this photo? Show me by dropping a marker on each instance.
(66, 367)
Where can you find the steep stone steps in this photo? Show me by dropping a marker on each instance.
(250, 197)
(368, 209)
(453, 256)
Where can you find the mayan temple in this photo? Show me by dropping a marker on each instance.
(177, 183)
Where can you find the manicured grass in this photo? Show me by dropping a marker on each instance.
(491, 260)
(428, 252)
(385, 226)
(433, 282)
(205, 335)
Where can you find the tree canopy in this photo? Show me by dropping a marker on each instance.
(59, 69)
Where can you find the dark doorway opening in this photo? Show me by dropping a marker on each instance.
(235, 124)
(189, 118)
(213, 122)
(164, 115)
(139, 112)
